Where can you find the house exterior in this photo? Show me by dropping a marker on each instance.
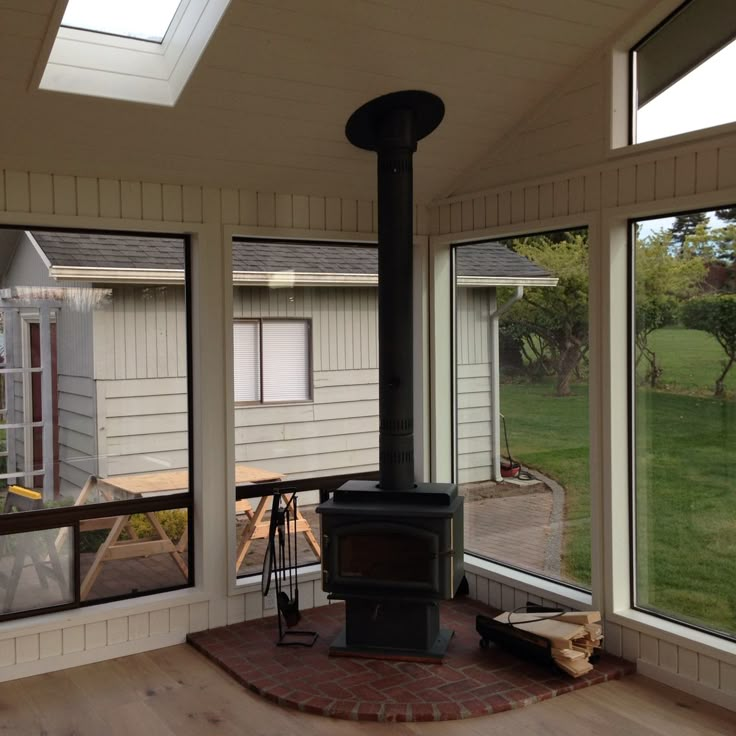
(536, 138)
(119, 321)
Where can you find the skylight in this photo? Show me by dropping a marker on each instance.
(146, 20)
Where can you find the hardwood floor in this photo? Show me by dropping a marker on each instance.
(177, 691)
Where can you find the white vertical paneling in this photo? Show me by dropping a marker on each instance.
(630, 645)
(577, 194)
(609, 188)
(50, 644)
(613, 638)
(508, 598)
(266, 202)
(3, 204)
(592, 191)
(254, 605)
(179, 618)
(561, 197)
(7, 652)
(479, 213)
(709, 671)
(517, 205)
(531, 203)
(668, 655)
(687, 663)
(494, 594)
(193, 207)
(685, 173)
(248, 208)
(365, 216)
(229, 206)
(117, 630)
(95, 635)
(649, 649)
(42, 193)
(131, 205)
(627, 185)
(706, 170)
(466, 214)
(727, 167)
(17, 191)
(152, 202)
(456, 217)
(27, 648)
(317, 219)
(88, 203)
(110, 201)
(300, 210)
(349, 217)
(333, 214)
(173, 205)
(158, 622)
(645, 174)
(504, 208)
(546, 201)
(235, 609)
(728, 678)
(284, 216)
(73, 639)
(664, 180)
(65, 195)
(444, 215)
(138, 626)
(491, 210)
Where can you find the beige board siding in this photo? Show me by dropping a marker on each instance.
(77, 438)
(473, 385)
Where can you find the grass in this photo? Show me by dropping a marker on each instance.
(686, 505)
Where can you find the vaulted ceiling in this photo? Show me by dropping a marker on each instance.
(266, 107)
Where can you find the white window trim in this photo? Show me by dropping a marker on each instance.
(103, 65)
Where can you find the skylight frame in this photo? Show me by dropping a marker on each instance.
(118, 67)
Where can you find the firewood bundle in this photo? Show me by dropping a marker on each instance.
(573, 636)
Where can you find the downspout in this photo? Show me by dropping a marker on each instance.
(495, 315)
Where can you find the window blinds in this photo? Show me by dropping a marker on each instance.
(247, 361)
(286, 360)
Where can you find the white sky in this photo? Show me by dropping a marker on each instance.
(144, 19)
(703, 98)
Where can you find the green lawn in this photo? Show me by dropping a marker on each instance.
(686, 495)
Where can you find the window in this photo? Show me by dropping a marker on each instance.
(683, 425)
(521, 411)
(139, 19)
(272, 360)
(682, 71)
(130, 49)
(94, 418)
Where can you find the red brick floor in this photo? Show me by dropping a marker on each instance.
(470, 682)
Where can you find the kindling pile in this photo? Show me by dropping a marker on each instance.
(573, 636)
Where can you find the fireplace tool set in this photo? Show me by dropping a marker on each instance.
(280, 566)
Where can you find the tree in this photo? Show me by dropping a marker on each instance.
(554, 320)
(727, 214)
(663, 281)
(715, 314)
(686, 226)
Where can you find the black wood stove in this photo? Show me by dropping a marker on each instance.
(392, 550)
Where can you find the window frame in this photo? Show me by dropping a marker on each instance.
(70, 516)
(631, 383)
(309, 361)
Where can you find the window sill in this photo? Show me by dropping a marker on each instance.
(674, 633)
(563, 594)
(252, 583)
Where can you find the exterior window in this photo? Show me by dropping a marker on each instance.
(522, 438)
(690, 56)
(94, 411)
(683, 337)
(272, 361)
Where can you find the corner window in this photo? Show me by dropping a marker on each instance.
(681, 72)
(272, 360)
(521, 410)
(683, 425)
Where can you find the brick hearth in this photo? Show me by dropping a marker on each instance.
(470, 682)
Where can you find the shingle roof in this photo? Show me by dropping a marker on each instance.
(90, 250)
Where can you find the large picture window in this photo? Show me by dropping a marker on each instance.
(521, 418)
(272, 360)
(94, 418)
(683, 388)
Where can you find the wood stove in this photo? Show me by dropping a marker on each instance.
(392, 550)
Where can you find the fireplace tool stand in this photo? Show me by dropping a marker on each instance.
(279, 567)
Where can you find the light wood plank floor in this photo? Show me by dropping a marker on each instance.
(176, 691)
